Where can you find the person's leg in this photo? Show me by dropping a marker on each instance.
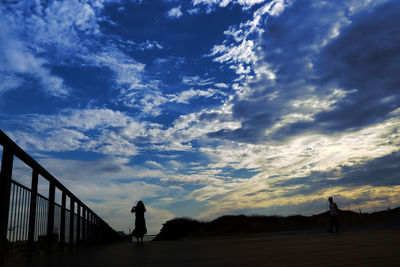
(331, 222)
(337, 224)
(137, 240)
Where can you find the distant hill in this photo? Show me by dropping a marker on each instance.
(179, 228)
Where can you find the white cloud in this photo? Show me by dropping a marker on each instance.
(127, 70)
(18, 59)
(81, 119)
(298, 158)
(69, 29)
(62, 23)
(187, 95)
(149, 45)
(69, 131)
(241, 54)
(153, 164)
(174, 12)
(197, 81)
(223, 3)
(9, 81)
(194, 179)
(221, 85)
(193, 11)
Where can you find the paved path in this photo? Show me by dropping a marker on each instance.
(367, 248)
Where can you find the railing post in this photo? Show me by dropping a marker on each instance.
(50, 218)
(71, 223)
(91, 227)
(5, 185)
(62, 219)
(32, 212)
(78, 224)
(88, 226)
(83, 224)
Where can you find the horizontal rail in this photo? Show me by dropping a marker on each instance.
(5, 141)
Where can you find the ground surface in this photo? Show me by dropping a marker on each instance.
(366, 248)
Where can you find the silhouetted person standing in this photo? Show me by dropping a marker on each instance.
(140, 223)
(334, 213)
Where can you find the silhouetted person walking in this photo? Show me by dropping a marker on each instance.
(140, 223)
(334, 213)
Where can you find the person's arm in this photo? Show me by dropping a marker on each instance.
(336, 207)
(133, 209)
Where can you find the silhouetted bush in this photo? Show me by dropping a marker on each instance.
(179, 228)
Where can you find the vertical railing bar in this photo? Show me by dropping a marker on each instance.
(37, 220)
(23, 238)
(39, 213)
(23, 215)
(88, 225)
(41, 216)
(44, 203)
(19, 213)
(78, 224)
(83, 223)
(14, 213)
(28, 212)
(11, 214)
(5, 187)
(32, 212)
(71, 223)
(50, 217)
(44, 217)
(21, 221)
(20, 208)
(62, 218)
(26, 215)
(91, 227)
(18, 222)
(94, 226)
(10, 224)
(15, 193)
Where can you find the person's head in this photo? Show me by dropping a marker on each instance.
(140, 204)
(330, 199)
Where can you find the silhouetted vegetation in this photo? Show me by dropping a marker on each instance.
(179, 228)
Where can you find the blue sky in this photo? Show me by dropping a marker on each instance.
(206, 107)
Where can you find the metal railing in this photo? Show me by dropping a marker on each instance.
(30, 222)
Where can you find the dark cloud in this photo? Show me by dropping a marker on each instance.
(365, 57)
(364, 60)
(384, 171)
(250, 132)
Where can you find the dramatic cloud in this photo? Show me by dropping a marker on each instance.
(207, 107)
(308, 60)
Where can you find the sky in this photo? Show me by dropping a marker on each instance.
(203, 108)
